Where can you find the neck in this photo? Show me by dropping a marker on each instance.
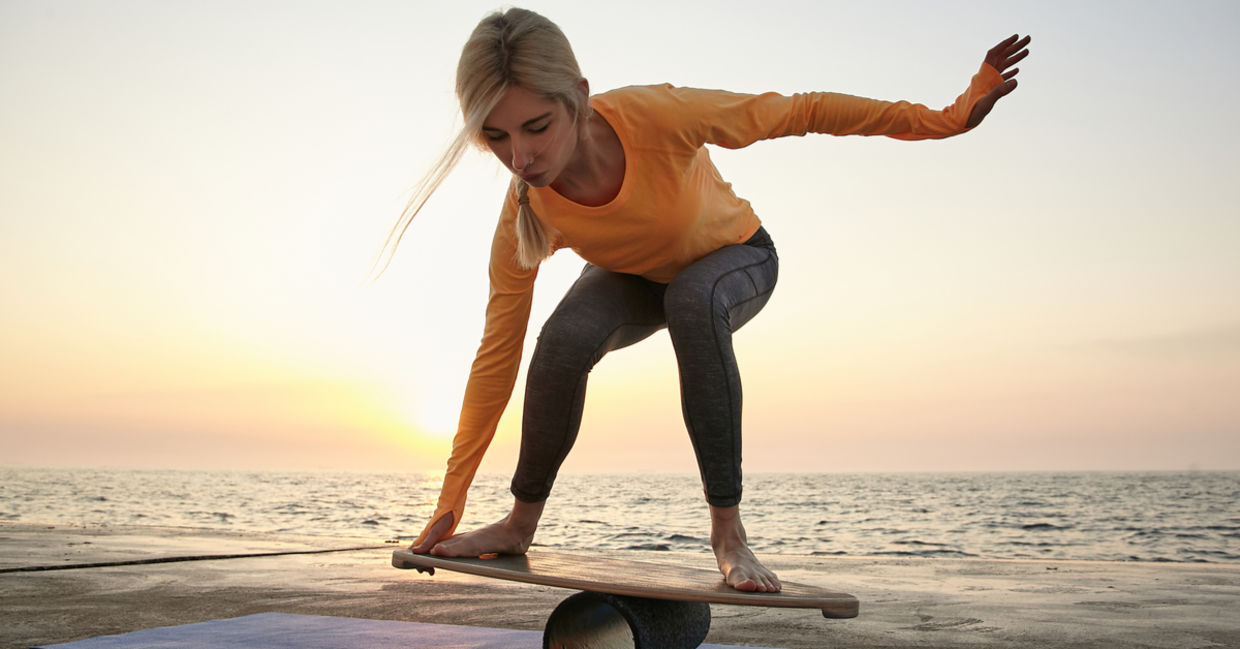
(594, 173)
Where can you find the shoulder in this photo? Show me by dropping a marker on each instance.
(633, 100)
(663, 113)
(664, 95)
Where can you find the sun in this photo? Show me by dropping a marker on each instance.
(435, 414)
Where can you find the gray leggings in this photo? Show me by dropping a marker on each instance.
(602, 311)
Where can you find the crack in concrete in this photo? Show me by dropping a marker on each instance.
(202, 557)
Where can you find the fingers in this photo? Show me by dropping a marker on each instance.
(1008, 52)
(424, 547)
(1018, 45)
(1017, 57)
(434, 536)
(1006, 88)
(1010, 46)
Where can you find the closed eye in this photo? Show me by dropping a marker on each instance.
(498, 136)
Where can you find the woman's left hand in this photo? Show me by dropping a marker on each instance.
(1000, 57)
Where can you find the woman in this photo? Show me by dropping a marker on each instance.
(624, 179)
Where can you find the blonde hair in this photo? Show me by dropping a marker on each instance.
(516, 47)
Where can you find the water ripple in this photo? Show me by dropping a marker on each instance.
(1186, 516)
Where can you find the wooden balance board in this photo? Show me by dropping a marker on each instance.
(630, 604)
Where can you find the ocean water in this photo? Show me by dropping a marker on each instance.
(1157, 516)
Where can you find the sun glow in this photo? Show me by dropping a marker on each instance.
(435, 415)
(428, 406)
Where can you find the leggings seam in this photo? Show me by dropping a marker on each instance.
(735, 461)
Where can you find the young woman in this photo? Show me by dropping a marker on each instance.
(624, 179)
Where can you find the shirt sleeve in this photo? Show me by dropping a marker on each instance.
(734, 120)
(494, 372)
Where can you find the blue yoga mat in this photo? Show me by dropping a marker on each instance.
(285, 631)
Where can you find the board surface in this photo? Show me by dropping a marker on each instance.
(632, 578)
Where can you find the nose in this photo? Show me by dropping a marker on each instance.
(522, 156)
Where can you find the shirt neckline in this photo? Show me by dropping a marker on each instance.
(549, 195)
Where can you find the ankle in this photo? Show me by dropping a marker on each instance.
(726, 529)
(524, 517)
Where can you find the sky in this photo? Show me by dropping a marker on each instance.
(191, 195)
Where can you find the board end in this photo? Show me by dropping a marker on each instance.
(402, 559)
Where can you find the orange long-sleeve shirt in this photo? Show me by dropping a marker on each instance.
(673, 208)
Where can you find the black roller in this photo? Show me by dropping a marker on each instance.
(601, 621)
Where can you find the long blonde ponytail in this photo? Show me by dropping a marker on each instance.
(516, 47)
(532, 244)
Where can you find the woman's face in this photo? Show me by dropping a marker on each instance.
(533, 136)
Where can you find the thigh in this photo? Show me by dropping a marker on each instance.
(603, 311)
(730, 285)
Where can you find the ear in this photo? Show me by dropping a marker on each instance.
(583, 115)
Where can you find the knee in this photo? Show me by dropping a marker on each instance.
(567, 344)
(562, 339)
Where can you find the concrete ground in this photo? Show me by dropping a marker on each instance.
(63, 583)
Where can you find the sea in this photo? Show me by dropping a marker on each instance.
(1191, 516)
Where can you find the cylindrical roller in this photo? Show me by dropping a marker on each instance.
(601, 621)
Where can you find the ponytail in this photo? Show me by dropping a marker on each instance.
(532, 244)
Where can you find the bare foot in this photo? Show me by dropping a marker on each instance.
(741, 569)
(496, 538)
(512, 535)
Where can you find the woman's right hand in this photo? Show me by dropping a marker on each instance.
(433, 536)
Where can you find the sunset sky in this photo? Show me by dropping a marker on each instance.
(191, 194)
